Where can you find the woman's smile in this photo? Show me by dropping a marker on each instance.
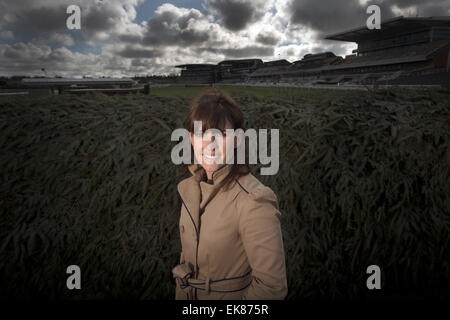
(211, 158)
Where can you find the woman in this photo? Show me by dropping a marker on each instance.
(232, 246)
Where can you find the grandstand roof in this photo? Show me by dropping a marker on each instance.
(239, 61)
(421, 52)
(395, 25)
(195, 65)
(318, 56)
(282, 62)
(387, 61)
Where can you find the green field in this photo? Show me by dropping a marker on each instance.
(88, 180)
(283, 93)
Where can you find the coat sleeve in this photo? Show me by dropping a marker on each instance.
(260, 231)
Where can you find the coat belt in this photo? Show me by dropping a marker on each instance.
(183, 275)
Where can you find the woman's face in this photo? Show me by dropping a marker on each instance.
(208, 150)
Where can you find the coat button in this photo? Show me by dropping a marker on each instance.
(182, 228)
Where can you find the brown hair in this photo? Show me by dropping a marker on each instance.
(215, 108)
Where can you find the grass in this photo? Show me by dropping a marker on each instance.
(88, 180)
(176, 92)
(280, 93)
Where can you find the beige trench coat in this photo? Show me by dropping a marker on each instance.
(232, 246)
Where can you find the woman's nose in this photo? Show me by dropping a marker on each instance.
(208, 140)
(206, 144)
(211, 139)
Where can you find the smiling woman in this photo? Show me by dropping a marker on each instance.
(232, 245)
(215, 110)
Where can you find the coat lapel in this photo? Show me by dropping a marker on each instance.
(209, 191)
(189, 190)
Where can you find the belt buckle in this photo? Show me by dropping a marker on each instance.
(184, 281)
(182, 272)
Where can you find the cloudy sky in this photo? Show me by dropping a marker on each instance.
(143, 37)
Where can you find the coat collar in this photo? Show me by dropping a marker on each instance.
(192, 188)
(217, 176)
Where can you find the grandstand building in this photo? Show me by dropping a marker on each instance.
(231, 71)
(404, 50)
(267, 70)
(228, 71)
(312, 66)
(198, 73)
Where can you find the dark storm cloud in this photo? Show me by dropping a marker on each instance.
(57, 56)
(426, 8)
(130, 38)
(44, 19)
(139, 53)
(330, 16)
(175, 37)
(251, 51)
(235, 15)
(267, 39)
(16, 51)
(94, 18)
(246, 52)
(100, 18)
(139, 63)
(169, 28)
